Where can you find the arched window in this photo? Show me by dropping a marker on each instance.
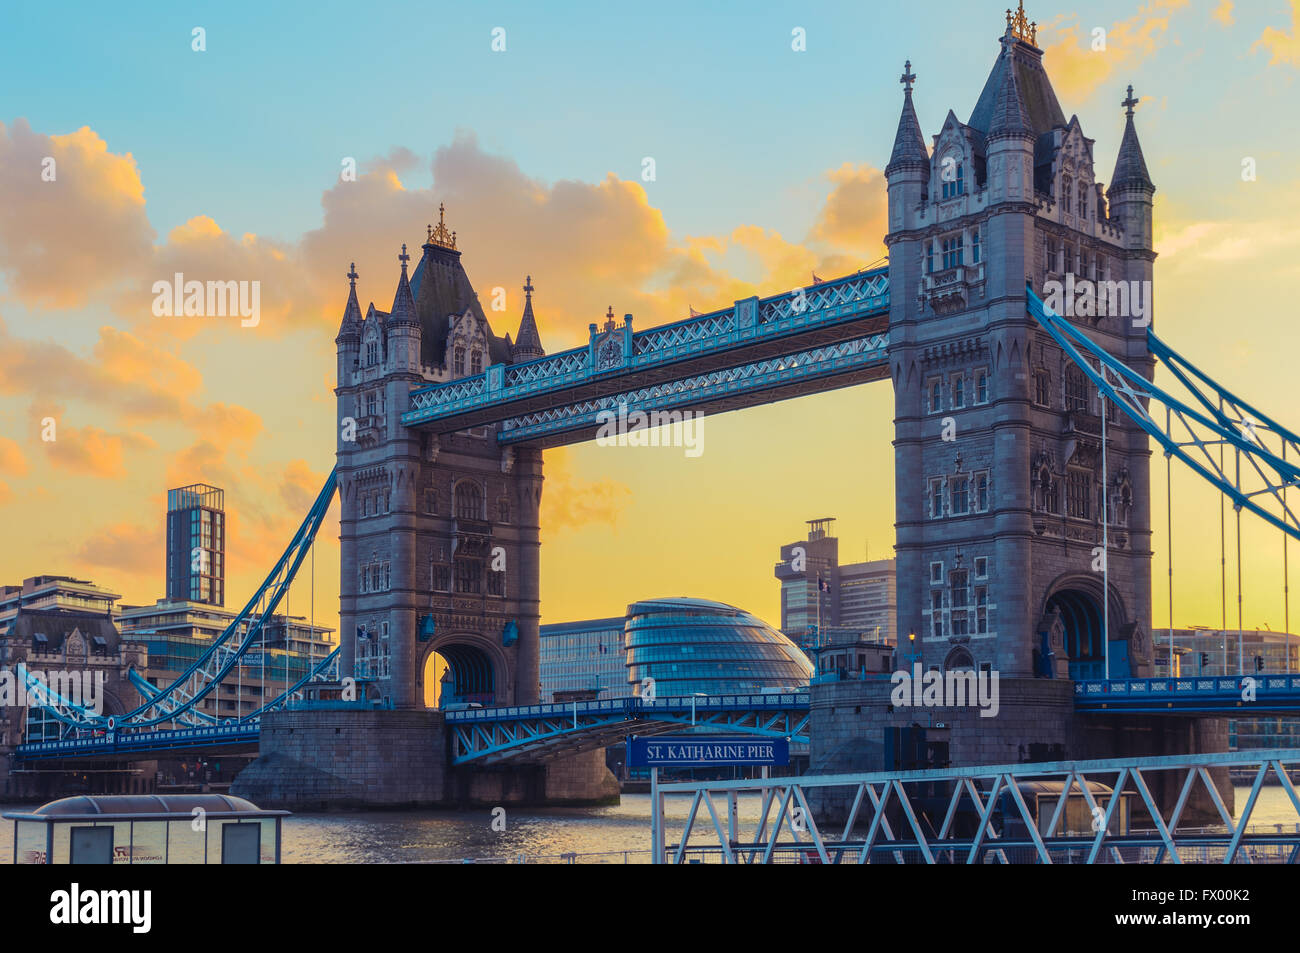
(476, 361)
(469, 501)
(1083, 200)
(1076, 390)
(458, 363)
(1067, 194)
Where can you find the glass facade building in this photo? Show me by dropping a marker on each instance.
(584, 657)
(693, 646)
(196, 544)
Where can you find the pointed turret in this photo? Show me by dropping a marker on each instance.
(528, 343)
(1010, 117)
(1131, 189)
(909, 144)
(403, 310)
(350, 329)
(1130, 165)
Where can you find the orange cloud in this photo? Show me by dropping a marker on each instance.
(73, 218)
(855, 214)
(123, 547)
(11, 458)
(93, 451)
(1080, 66)
(1284, 47)
(571, 503)
(1223, 13)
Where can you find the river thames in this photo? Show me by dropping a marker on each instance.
(615, 834)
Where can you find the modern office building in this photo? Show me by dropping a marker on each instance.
(1205, 651)
(1219, 652)
(196, 544)
(583, 660)
(56, 594)
(695, 646)
(818, 593)
(176, 634)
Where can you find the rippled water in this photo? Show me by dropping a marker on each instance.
(416, 836)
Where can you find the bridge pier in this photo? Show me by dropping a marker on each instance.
(375, 759)
(854, 730)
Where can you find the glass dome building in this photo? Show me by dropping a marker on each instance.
(689, 646)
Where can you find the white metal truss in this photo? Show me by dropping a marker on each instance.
(913, 816)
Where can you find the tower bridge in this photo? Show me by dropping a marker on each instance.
(999, 526)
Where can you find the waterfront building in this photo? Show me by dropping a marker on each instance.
(820, 594)
(57, 594)
(64, 625)
(1201, 651)
(196, 544)
(176, 634)
(584, 660)
(695, 646)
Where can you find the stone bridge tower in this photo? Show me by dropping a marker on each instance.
(998, 437)
(439, 535)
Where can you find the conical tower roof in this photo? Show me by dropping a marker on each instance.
(403, 310)
(350, 329)
(909, 143)
(1130, 164)
(528, 343)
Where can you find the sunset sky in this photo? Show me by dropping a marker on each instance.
(225, 164)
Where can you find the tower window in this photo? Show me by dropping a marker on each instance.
(1067, 194)
(476, 362)
(981, 387)
(952, 251)
(936, 396)
(956, 187)
(458, 360)
(1078, 494)
(1083, 200)
(975, 245)
(469, 574)
(929, 257)
(960, 496)
(1043, 388)
(469, 501)
(1050, 263)
(1076, 391)
(958, 392)
(936, 498)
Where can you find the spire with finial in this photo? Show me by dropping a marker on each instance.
(403, 310)
(350, 329)
(909, 143)
(1020, 28)
(528, 343)
(440, 236)
(1130, 165)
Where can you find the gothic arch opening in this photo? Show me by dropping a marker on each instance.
(958, 658)
(458, 674)
(1081, 617)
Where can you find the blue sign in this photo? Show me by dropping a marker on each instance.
(694, 751)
